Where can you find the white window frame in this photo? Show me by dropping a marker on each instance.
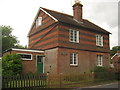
(25, 54)
(99, 60)
(99, 40)
(73, 59)
(74, 36)
(38, 22)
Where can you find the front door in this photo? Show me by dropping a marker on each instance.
(39, 60)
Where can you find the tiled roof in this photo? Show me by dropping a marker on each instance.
(70, 20)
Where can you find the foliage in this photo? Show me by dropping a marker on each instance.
(114, 50)
(99, 69)
(20, 46)
(111, 61)
(8, 40)
(103, 73)
(11, 64)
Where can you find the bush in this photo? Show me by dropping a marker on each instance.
(11, 65)
(103, 73)
(99, 69)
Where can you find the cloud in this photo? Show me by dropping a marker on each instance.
(104, 12)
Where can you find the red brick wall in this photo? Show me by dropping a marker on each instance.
(87, 39)
(86, 61)
(37, 36)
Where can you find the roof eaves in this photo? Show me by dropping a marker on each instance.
(27, 50)
(48, 14)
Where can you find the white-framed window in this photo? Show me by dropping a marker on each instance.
(74, 36)
(99, 40)
(38, 21)
(99, 60)
(74, 59)
(25, 56)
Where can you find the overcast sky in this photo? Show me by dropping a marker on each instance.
(19, 14)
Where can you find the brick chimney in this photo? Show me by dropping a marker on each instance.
(77, 11)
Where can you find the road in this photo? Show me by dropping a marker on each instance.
(111, 86)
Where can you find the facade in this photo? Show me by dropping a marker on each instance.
(61, 43)
(116, 60)
(71, 44)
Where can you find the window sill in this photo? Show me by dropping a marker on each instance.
(27, 59)
(99, 46)
(38, 26)
(74, 42)
(100, 65)
(74, 65)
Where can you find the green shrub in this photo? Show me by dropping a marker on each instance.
(99, 69)
(11, 65)
(103, 73)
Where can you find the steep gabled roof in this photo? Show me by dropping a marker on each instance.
(70, 20)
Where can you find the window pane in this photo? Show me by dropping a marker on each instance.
(99, 60)
(71, 58)
(99, 40)
(74, 35)
(25, 56)
(77, 36)
(75, 59)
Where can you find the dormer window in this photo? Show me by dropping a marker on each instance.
(38, 21)
(99, 40)
(74, 36)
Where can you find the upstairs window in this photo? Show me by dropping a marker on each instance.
(99, 60)
(73, 59)
(99, 40)
(74, 36)
(26, 56)
(38, 21)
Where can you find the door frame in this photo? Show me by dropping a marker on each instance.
(43, 62)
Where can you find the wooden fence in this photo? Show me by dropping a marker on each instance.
(67, 80)
(50, 81)
(43, 81)
(24, 81)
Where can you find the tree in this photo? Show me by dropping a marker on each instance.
(20, 46)
(8, 40)
(11, 64)
(114, 50)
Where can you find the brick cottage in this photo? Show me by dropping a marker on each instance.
(65, 44)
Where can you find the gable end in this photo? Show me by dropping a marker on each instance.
(37, 16)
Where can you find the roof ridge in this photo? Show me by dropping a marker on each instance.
(57, 12)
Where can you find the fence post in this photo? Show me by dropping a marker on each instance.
(84, 75)
(48, 81)
(93, 74)
(61, 82)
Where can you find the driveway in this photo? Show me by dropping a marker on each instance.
(111, 86)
